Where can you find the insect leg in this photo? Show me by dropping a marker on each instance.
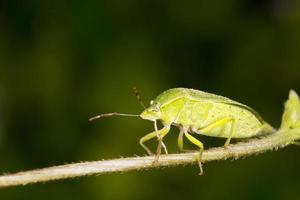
(221, 123)
(180, 140)
(198, 144)
(296, 143)
(160, 142)
(227, 142)
(296, 125)
(147, 137)
(160, 135)
(151, 135)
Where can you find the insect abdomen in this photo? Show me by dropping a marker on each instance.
(196, 115)
(245, 123)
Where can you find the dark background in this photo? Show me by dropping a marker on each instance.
(62, 62)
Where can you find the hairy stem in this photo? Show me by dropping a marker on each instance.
(277, 140)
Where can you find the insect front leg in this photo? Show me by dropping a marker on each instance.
(160, 142)
(198, 144)
(162, 132)
(160, 135)
(147, 137)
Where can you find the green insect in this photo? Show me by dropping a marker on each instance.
(197, 112)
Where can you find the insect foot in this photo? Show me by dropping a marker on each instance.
(155, 162)
(199, 158)
(225, 146)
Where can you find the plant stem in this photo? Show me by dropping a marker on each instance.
(277, 140)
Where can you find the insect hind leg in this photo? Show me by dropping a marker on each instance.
(222, 123)
(232, 127)
(296, 125)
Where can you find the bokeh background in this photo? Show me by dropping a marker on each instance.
(62, 62)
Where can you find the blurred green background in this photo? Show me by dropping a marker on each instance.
(62, 62)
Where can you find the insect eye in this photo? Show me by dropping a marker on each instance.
(156, 108)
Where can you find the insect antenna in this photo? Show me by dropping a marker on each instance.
(112, 114)
(138, 96)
